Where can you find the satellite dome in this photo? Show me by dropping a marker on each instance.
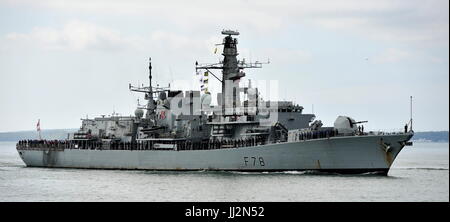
(139, 113)
(162, 96)
(252, 93)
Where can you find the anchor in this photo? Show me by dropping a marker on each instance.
(386, 146)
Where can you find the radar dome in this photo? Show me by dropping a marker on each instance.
(139, 113)
(206, 100)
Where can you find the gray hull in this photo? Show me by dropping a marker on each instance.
(337, 154)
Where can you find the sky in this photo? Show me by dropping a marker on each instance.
(64, 60)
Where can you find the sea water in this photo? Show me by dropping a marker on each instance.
(420, 173)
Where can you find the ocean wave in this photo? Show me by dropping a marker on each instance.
(15, 165)
(421, 168)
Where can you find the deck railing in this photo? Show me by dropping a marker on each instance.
(180, 145)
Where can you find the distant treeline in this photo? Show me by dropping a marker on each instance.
(432, 136)
(52, 134)
(56, 134)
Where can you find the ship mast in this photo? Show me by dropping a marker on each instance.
(231, 71)
(149, 92)
(149, 96)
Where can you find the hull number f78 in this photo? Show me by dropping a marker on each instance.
(254, 161)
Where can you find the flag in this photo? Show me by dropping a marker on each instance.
(38, 128)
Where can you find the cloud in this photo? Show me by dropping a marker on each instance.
(77, 35)
(392, 55)
(285, 56)
(411, 21)
(395, 55)
(174, 40)
(74, 35)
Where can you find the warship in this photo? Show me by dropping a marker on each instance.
(179, 131)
